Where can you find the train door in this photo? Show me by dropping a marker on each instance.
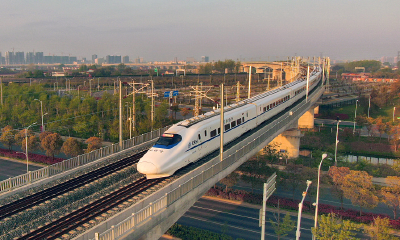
(199, 151)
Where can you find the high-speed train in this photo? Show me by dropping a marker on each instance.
(194, 138)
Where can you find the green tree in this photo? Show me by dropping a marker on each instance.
(206, 68)
(331, 227)
(282, 227)
(71, 147)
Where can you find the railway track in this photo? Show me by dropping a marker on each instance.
(42, 196)
(71, 221)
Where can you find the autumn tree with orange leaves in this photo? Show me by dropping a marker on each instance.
(337, 174)
(71, 147)
(391, 194)
(51, 143)
(357, 186)
(93, 143)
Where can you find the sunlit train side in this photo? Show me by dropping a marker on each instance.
(190, 140)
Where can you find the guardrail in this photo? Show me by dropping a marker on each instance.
(238, 151)
(27, 178)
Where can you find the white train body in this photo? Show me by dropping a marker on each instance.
(192, 139)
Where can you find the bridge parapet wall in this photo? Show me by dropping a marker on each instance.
(151, 217)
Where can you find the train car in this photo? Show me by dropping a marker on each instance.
(192, 139)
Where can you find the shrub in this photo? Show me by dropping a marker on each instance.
(32, 157)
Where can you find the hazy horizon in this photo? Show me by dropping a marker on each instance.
(245, 30)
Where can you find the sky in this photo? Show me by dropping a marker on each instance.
(160, 30)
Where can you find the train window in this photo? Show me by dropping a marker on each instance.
(265, 109)
(213, 133)
(205, 133)
(233, 124)
(239, 121)
(168, 140)
(242, 119)
(227, 126)
(199, 136)
(219, 130)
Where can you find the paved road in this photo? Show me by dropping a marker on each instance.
(10, 168)
(326, 197)
(238, 221)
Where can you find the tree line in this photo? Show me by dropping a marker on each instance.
(50, 142)
(74, 115)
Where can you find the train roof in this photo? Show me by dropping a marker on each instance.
(191, 121)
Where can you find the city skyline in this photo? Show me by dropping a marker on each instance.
(156, 31)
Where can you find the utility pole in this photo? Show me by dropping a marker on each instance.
(249, 93)
(133, 106)
(152, 104)
(221, 143)
(308, 79)
(238, 91)
(328, 71)
(196, 101)
(1, 89)
(120, 115)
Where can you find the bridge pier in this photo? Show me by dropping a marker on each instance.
(289, 142)
(307, 119)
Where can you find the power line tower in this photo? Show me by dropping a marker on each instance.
(198, 95)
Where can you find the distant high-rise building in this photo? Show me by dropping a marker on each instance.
(205, 59)
(39, 57)
(125, 59)
(30, 58)
(99, 61)
(75, 59)
(9, 57)
(94, 56)
(1, 59)
(19, 58)
(113, 59)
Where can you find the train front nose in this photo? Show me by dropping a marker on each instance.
(147, 168)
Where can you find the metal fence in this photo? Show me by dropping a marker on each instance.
(237, 152)
(27, 178)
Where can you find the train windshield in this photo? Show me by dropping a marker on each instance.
(168, 140)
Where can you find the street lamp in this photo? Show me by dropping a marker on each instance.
(41, 110)
(355, 116)
(317, 200)
(300, 209)
(337, 141)
(369, 104)
(26, 146)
